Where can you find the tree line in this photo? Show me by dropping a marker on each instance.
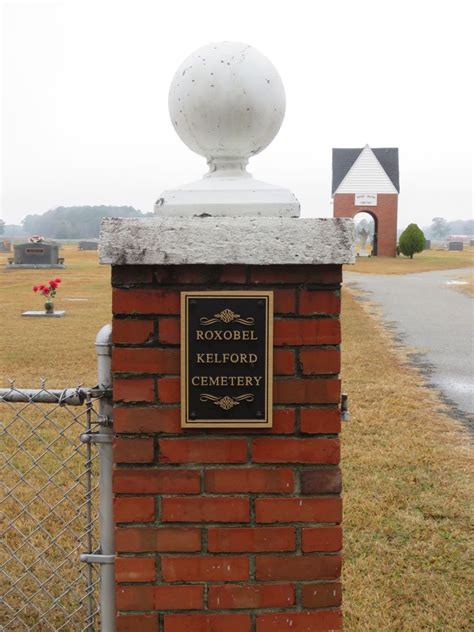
(75, 222)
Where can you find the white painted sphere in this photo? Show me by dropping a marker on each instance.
(227, 101)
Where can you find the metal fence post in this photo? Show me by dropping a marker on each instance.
(103, 345)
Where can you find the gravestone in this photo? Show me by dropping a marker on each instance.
(227, 398)
(427, 244)
(88, 245)
(5, 246)
(455, 245)
(471, 242)
(40, 254)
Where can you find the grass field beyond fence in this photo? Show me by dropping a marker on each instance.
(406, 464)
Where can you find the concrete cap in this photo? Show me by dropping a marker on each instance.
(227, 240)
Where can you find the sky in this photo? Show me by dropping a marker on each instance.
(85, 98)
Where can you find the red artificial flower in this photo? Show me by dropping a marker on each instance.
(35, 288)
(45, 291)
(53, 284)
(57, 280)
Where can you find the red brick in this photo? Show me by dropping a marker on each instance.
(144, 420)
(150, 301)
(318, 539)
(134, 390)
(323, 274)
(321, 595)
(163, 539)
(164, 361)
(125, 275)
(283, 362)
(298, 391)
(132, 331)
(315, 331)
(134, 509)
(135, 569)
(212, 509)
(283, 421)
(134, 622)
(320, 361)
(156, 481)
(232, 596)
(206, 568)
(320, 420)
(202, 451)
(207, 623)
(134, 597)
(319, 302)
(295, 450)
(293, 568)
(298, 509)
(251, 539)
(322, 621)
(136, 450)
(169, 331)
(249, 481)
(321, 481)
(233, 274)
(284, 301)
(178, 597)
(169, 390)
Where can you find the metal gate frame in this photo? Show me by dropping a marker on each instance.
(104, 556)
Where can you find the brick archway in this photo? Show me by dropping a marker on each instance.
(369, 211)
(384, 215)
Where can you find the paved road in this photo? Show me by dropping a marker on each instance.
(437, 320)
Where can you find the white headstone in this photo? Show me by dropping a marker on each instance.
(227, 103)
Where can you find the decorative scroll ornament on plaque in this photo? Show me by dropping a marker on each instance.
(227, 316)
(226, 402)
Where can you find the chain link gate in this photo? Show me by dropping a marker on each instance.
(56, 537)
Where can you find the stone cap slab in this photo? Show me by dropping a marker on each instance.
(227, 240)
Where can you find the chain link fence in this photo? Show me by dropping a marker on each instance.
(49, 509)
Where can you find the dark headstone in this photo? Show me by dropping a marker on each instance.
(455, 245)
(88, 245)
(41, 254)
(427, 244)
(471, 242)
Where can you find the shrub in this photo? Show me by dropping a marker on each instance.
(412, 240)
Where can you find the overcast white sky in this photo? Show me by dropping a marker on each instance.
(85, 85)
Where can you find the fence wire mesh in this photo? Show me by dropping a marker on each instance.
(48, 510)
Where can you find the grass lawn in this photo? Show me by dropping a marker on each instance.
(405, 461)
(422, 262)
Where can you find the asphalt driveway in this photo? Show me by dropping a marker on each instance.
(436, 320)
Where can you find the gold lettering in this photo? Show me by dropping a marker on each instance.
(194, 382)
(199, 334)
(200, 358)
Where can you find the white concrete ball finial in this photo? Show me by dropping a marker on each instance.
(227, 102)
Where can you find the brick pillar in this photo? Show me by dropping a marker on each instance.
(227, 530)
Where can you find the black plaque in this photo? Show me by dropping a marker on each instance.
(226, 359)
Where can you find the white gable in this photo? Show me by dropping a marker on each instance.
(366, 176)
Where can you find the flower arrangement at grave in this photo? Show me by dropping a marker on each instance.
(48, 292)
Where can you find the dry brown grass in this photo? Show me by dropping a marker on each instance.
(61, 349)
(408, 475)
(422, 262)
(467, 285)
(405, 461)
